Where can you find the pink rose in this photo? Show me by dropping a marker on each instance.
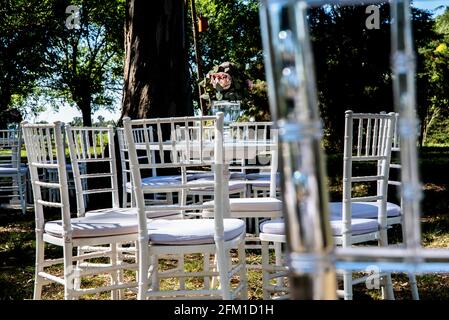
(221, 78)
(249, 84)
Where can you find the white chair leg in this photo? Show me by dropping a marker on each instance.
(413, 286)
(22, 193)
(265, 268)
(180, 268)
(120, 275)
(77, 280)
(69, 277)
(143, 281)
(243, 277)
(223, 267)
(114, 274)
(388, 292)
(214, 279)
(38, 281)
(155, 273)
(206, 268)
(347, 285)
(278, 258)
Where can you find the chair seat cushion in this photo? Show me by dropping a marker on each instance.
(358, 226)
(101, 225)
(191, 231)
(210, 176)
(275, 226)
(262, 183)
(131, 211)
(8, 169)
(253, 204)
(261, 176)
(158, 181)
(363, 210)
(233, 184)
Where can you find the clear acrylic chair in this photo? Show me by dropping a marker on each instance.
(45, 150)
(394, 181)
(13, 175)
(160, 238)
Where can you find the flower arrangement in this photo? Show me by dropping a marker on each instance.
(226, 81)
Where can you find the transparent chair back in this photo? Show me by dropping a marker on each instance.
(293, 101)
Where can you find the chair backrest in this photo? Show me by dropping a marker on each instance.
(368, 139)
(251, 130)
(45, 151)
(124, 159)
(188, 152)
(254, 132)
(88, 146)
(394, 178)
(395, 149)
(266, 159)
(10, 147)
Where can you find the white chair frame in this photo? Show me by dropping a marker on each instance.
(12, 169)
(373, 145)
(152, 251)
(126, 172)
(45, 150)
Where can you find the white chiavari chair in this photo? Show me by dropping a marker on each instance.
(127, 195)
(45, 150)
(258, 208)
(236, 182)
(257, 171)
(12, 173)
(368, 141)
(51, 175)
(356, 220)
(159, 238)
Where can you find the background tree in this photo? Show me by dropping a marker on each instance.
(156, 70)
(87, 61)
(27, 31)
(434, 80)
(353, 63)
(233, 34)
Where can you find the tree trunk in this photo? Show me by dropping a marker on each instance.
(86, 111)
(156, 69)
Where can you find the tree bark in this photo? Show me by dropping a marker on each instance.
(86, 111)
(156, 70)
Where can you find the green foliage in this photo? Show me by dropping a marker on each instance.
(233, 34)
(256, 106)
(434, 80)
(44, 63)
(87, 62)
(353, 64)
(27, 31)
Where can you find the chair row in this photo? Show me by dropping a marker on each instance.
(153, 229)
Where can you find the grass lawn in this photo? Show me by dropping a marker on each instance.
(17, 243)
